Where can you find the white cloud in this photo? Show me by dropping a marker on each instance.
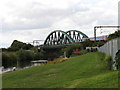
(27, 20)
(23, 35)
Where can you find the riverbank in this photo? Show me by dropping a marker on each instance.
(85, 71)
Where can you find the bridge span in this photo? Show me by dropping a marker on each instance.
(59, 38)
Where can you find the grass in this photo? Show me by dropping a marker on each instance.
(85, 71)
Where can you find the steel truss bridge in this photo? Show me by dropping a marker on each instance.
(59, 38)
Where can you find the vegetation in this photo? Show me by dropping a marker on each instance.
(58, 60)
(19, 58)
(118, 59)
(71, 48)
(21, 55)
(17, 45)
(87, 43)
(114, 35)
(85, 71)
(99, 43)
(9, 59)
(24, 57)
(21, 52)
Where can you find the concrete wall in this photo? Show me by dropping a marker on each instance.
(111, 48)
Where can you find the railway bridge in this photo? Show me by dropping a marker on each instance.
(59, 38)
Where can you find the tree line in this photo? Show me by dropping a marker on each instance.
(19, 58)
(19, 53)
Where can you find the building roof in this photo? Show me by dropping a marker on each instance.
(39, 61)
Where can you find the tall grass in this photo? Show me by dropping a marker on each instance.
(85, 71)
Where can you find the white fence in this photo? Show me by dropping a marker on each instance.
(111, 47)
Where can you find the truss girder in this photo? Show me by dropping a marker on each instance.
(59, 37)
(76, 35)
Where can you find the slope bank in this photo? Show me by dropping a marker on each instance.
(85, 71)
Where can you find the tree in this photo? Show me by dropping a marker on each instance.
(9, 59)
(22, 55)
(25, 57)
(29, 55)
(69, 49)
(87, 43)
(114, 35)
(5, 59)
(117, 58)
(17, 45)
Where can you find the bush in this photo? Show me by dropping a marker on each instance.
(38, 56)
(58, 60)
(20, 58)
(71, 48)
(5, 60)
(117, 58)
(25, 57)
(99, 43)
(83, 52)
(114, 35)
(9, 59)
(109, 62)
(87, 43)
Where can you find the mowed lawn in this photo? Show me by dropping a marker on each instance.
(85, 71)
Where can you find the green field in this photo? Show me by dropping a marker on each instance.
(85, 71)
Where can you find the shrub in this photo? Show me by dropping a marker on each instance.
(71, 48)
(99, 43)
(109, 62)
(9, 59)
(106, 60)
(25, 57)
(114, 35)
(117, 58)
(83, 52)
(58, 60)
(38, 55)
(87, 43)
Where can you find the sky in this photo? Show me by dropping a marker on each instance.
(28, 20)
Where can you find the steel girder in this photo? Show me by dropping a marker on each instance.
(76, 35)
(59, 37)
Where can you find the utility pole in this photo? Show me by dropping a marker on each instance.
(37, 42)
(96, 27)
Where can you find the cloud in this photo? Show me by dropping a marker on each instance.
(33, 15)
(23, 35)
(27, 20)
(43, 14)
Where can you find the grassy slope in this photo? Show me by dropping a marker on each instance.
(86, 71)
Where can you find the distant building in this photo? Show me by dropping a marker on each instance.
(38, 62)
